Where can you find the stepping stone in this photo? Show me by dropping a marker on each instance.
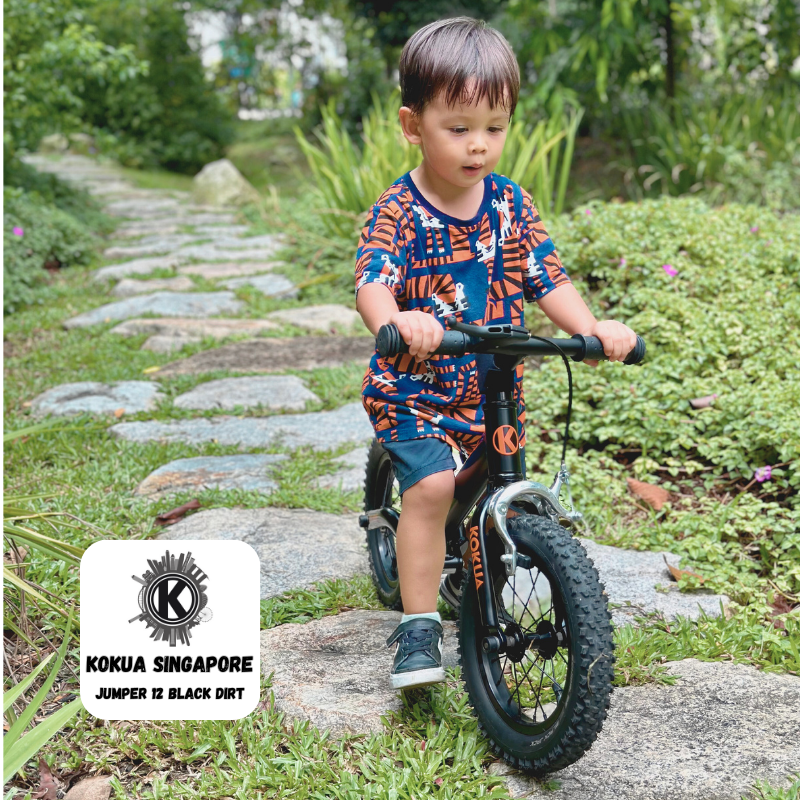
(277, 355)
(630, 577)
(132, 230)
(229, 269)
(296, 546)
(334, 671)
(351, 478)
(129, 287)
(720, 728)
(170, 304)
(139, 266)
(321, 430)
(248, 472)
(97, 398)
(275, 392)
(213, 251)
(249, 242)
(194, 329)
(319, 318)
(168, 344)
(161, 244)
(270, 285)
(148, 207)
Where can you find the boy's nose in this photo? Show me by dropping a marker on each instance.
(477, 146)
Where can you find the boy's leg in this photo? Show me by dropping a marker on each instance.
(420, 541)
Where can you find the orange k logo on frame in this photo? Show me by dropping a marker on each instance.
(505, 440)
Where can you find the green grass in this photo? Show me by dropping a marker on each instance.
(157, 179)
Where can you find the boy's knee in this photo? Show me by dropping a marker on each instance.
(437, 488)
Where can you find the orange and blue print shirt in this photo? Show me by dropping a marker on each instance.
(478, 271)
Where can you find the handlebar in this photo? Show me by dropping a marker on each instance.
(504, 339)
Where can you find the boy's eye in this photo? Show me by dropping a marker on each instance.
(461, 130)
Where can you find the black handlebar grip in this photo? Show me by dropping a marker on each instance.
(593, 350)
(636, 356)
(390, 343)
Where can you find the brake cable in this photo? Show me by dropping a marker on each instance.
(569, 402)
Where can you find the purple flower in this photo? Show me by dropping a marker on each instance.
(18, 231)
(588, 213)
(754, 229)
(764, 473)
(622, 262)
(670, 270)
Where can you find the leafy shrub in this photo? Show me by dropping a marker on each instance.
(37, 235)
(746, 149)
(171, 117)
(727, 323)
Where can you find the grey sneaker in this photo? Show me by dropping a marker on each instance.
(450, 591)
(418, 659)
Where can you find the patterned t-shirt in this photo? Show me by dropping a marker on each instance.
(477, 270)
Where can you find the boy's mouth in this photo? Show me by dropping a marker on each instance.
(473, 170)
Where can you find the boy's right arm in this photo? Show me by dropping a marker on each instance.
(422, 332)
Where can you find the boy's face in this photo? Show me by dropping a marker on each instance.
(456, 139)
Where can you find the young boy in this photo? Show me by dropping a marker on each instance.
(445, 239)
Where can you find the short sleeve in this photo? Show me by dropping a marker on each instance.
(382, 253)
(542, 270)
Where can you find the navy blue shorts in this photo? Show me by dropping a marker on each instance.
(415, 459)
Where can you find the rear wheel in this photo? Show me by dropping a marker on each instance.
(542, 702)
(382, 490)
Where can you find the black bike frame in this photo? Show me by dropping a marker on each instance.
(493, 464)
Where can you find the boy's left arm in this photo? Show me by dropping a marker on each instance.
(567, 309)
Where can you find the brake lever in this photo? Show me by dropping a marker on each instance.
(490, 332)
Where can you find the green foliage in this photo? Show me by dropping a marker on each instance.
(745, 149)
(539, 159)
(726, 324)
(349, 178)
(18, 749)
(52, 54)
(45, 236)
(172, 118)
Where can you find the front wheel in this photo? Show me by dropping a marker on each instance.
(541, 703)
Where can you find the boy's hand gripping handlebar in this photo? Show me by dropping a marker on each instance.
(463, 338)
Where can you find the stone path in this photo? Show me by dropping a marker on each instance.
(719, 728)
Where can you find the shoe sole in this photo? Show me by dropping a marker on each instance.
(420, 677)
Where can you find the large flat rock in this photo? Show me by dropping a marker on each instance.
(193, 328)
(130, 287)
(90, 397)
(151, 246)
(297, 547)
(270, 285)
(228, 269)
(277, 355)
(630, 577)
(274, 392)
(321, 430)
(326, 318)
(168, 304)
(247, 472)
(720, 728)
(334, 671)
(138, 266)
(350, 478)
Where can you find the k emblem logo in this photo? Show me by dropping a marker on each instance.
(505, 440)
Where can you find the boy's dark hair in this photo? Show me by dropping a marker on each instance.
(447, 53)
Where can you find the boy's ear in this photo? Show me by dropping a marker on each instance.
(410, 125)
